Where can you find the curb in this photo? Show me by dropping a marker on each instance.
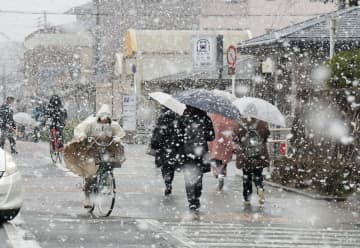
(300, 192)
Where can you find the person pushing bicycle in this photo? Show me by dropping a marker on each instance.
(100, 128)
(56, 116)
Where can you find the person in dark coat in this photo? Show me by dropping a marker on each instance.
(166, 140)
(197, 131)
(56, 115)
(7, 124)
(252, 166)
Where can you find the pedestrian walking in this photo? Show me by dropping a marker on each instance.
(7, 124)
(221, 148)
(167, 141)
(252, 155)
(197, 131)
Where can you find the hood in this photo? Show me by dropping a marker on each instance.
(104, 111)
(2, 160)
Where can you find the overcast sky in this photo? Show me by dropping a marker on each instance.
(17, 26)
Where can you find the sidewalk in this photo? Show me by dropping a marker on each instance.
(281, 206)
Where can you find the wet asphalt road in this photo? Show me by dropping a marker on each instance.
(52, 215)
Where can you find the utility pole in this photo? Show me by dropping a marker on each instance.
(96, 49)
(45, 20)
(4, 82)
(332, 36)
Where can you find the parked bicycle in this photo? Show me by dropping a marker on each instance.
(103, 191)
(55, 153)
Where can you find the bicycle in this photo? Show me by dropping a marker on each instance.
(55, 154)
(103, 191)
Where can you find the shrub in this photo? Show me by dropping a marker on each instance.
(345, 67)
(330, 177)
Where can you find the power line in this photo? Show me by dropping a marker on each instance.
(23, 12)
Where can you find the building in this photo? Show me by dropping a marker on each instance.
(286, 59)
(59, 60)
(260, 16)
(148, 58)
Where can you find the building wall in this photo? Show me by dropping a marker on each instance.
(60, 68)
(259, 16)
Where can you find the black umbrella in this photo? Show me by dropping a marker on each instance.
(209, 102)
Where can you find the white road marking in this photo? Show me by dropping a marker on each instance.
(19, 237)
(210, 234)
(178, 237)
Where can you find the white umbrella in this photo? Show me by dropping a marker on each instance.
(260, 109)
(25, 119)
(226, 94)
(168, 101)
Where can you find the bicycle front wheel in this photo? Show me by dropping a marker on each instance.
(53, 153)
(103, 197)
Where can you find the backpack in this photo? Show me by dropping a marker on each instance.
(253, 144)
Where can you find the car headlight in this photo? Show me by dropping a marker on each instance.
(10, 166)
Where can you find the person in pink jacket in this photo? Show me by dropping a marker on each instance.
(221, 148)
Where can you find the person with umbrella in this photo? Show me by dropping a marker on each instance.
(167, 141)
(221, 148)
(251, 136)
(252, 155)
(7, 124)
(197, 132)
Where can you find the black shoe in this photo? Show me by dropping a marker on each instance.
(221, 183)
(194, 206)
(14, 152)
(168, 191)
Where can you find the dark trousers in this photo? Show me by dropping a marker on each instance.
(250, 175)
(193, 183)
(168, 173)
(220, 168)
(10, 136)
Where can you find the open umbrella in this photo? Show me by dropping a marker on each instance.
(24, 119)
(226, 94)
(209, 102)
(260, 109)
(168, 101)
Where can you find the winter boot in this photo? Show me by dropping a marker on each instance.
(221, 182)
(194, 205)
(168, 190)
(86, 202)
(261, 195)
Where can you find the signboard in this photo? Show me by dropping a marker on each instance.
(231, 59)
(204, 53)
(129, 113)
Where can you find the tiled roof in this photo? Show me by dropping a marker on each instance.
(315, 29)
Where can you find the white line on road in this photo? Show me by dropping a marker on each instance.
(19, 237)
(177, 238)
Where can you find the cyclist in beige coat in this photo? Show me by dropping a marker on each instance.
(101, 128)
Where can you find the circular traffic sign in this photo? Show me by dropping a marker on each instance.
(231, 55)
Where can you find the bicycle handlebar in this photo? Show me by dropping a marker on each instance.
(90, 139)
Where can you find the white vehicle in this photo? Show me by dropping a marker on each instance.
(10, 187)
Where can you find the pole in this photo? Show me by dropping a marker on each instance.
(233, 84)
(45, 20)
(332, 36)
(96, 50)
(4, 83)
(219, 84)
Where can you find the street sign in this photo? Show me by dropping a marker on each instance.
(231, 59)
(231, 55)
(204, 53)
(129, 113)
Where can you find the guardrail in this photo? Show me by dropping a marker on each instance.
(278, 142)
